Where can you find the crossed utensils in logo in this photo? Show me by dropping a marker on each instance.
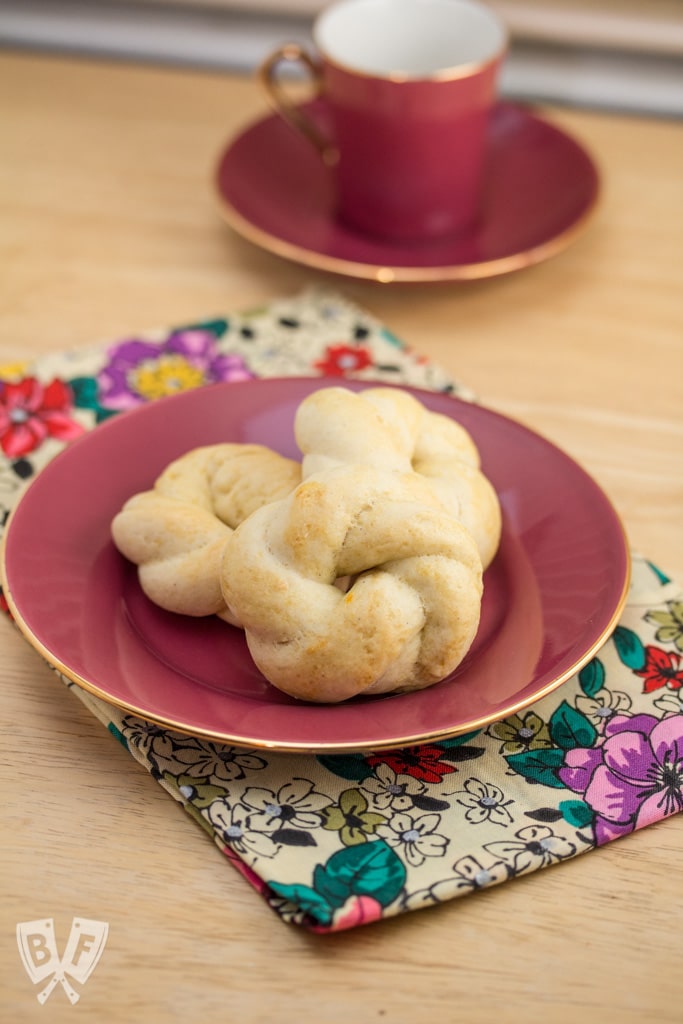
(38, 951)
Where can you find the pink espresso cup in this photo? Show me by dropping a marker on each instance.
(409, 86)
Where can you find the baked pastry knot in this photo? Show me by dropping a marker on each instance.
(176, 531)
(412, 608)
(391, 430)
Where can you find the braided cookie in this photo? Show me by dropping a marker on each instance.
(411, 612)
(391, 430)
(175, 532)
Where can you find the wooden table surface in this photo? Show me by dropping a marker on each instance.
(108, 224)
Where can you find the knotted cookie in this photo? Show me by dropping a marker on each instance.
(410, 614)
(357, 571)
(176, 531)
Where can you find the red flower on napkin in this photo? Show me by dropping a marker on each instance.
(662, 668)
(31, 411)
(423, 763)
(341, 360)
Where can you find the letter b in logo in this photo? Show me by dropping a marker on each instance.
(38, 949)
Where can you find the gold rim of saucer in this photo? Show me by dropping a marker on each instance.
(384, 274)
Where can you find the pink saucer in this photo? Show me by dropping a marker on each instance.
(552, 595)
(541, 188)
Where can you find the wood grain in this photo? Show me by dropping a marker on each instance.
(107, 225)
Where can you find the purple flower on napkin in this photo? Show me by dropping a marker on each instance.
(634, 778)
(140, 371)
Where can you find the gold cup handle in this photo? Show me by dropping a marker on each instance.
(292, 53)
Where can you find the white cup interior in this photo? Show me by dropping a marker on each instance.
(409, 38)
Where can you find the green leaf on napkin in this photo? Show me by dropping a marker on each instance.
(629, 647)
(306, 899)
(347, 766)
(539, 765)
(592, 677)
(569, 728)
(368, 869)
(662, 577)
(86, 396)
(119, 735)
(215, 327)
(577, 813)
(458, 741)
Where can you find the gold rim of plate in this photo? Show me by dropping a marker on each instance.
(343, 747)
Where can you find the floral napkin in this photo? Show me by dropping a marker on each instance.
(332, 842)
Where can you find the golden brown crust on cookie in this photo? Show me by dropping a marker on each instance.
(410, 614)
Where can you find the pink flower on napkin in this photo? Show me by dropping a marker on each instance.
(30, 412)
(634, 778)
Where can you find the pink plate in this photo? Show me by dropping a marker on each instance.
(541, 188)
(552, 595)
